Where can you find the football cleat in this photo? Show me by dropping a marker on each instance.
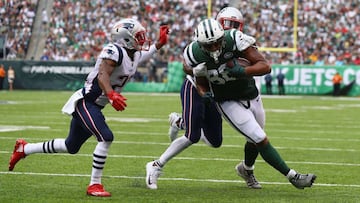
(97, 190)
(248, 176)
(301, 181)
(17, 154)
(153, 171)
(174, 120)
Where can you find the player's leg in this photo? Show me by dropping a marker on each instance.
(94, 121)
(250, 150)
(247, 125)
(77, 136)
(212, 126)
(192, 114)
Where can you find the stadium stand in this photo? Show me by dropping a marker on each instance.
(328, 31)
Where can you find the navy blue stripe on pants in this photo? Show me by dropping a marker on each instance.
(87, 120)
(197, 115)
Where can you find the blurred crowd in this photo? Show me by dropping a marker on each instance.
(328, 30)
(16, 20)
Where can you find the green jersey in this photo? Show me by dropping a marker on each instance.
(223, 86)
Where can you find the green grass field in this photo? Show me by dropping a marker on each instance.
(318, 135)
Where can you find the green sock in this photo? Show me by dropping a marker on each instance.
(251, 153)
(272, 157)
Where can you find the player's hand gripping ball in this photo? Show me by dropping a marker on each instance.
(236, 67)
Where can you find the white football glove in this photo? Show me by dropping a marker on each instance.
(200, 70)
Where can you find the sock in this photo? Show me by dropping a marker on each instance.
(99, 157)
(251, 153)
(291, 174)
(52, 146)
(272, 157)
(175, 148)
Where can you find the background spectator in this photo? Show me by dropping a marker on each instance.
(2, 76)
(280, 79)
(11, 78)
(268, 84)
(337, 79)
(327, 33)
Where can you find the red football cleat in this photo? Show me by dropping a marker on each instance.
(97, 190)
(17, 154)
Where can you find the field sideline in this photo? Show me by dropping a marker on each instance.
(313, 134)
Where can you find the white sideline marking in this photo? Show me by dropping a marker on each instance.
(191, 158)
(171, 179)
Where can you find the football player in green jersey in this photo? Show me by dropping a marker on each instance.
(219, 77)
(229, 18)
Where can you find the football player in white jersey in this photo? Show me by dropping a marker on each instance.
(114, 67)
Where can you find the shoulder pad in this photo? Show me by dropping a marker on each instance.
(188, 55)
(113, 52)
(242, 40)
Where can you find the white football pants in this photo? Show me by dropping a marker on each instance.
(247, 117)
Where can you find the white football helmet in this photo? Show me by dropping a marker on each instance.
(230, 18)
(209, 34)
(130, 34)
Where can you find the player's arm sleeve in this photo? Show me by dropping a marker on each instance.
(146, 55)
(189, 58)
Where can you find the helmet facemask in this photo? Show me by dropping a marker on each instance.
(142, 43)
(213, 48)
(231, 23)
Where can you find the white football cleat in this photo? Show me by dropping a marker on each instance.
(153, 171)
(174, 120)
(248, 176)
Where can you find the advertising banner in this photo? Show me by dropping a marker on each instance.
(315, 80)
(299, 79)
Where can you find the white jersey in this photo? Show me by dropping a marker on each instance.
(121, 75)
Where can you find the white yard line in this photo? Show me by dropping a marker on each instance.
(173, 179)
(192, 158)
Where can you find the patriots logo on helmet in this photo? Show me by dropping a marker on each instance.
(128, 26)
(109, 51)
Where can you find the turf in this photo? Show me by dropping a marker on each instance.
(318, 135)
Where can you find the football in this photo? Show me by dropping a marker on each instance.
(241, 61)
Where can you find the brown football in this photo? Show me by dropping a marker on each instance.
(241, 61)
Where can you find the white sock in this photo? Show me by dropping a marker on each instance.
(291, 174)
(99, 157)
(51, 146)
(249, 168)
(175, 148)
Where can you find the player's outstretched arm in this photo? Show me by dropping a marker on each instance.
(163, 36)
